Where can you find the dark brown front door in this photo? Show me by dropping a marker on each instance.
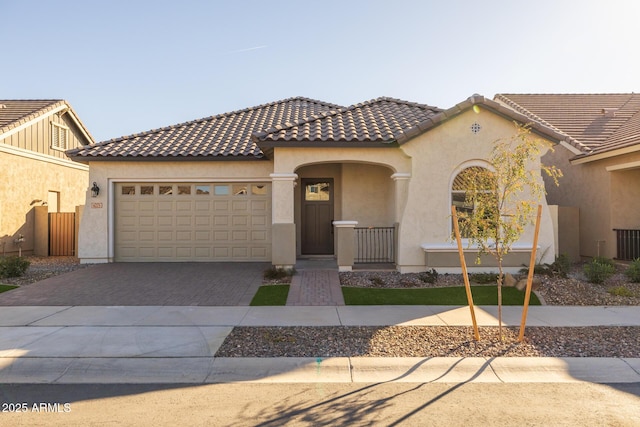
(317, 215)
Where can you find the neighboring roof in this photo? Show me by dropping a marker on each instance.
(597, 123)
(225, 136)
(15, 113)
(378, 122)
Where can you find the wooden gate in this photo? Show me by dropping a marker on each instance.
(62, 233)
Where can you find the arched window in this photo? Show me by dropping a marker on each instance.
(474, 180)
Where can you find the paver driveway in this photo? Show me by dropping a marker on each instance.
(205, 284)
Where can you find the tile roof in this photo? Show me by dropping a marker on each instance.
(15, 112)
(223, 136)
(597, 123)
(383, 121)
(377, 122)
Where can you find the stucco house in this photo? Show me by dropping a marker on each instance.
(35, 170)
(295, 178)
(600, 160)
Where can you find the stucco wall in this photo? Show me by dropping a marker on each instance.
(367, 195)
(439, 155)
(26, 183)
(625, 199)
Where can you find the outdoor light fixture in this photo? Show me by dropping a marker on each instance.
(95, 190)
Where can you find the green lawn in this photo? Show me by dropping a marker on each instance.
(482, 295)
(5, 288)
(271, 295)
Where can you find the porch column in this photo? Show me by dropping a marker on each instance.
(345, 244)
(283, 228)
(402, 189)
(401, 195)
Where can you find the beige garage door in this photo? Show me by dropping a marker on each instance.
(192, 222)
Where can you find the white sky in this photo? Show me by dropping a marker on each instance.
(130, 66)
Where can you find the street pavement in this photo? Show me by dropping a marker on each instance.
(177, 344)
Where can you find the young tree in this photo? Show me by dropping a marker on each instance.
(500, 200)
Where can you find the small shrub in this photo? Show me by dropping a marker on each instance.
(484, 278)
(633, 272)
(274, 273)
(560, 267)
(621, 291)
(13, 266)
(604, 260)
(597, 271)
(377, 281)
(429, 276)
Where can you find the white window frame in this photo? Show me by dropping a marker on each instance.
(59, 136)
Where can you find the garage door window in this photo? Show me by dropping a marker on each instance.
(146, 190)
(239, 190)
(184, 190)
(259, 189)
(202, 189)
(221, 190)
(165, 190)
(128, 190)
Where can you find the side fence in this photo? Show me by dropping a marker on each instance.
(62, 233)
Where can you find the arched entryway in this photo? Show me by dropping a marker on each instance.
(346, 191)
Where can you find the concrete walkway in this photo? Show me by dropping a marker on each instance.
(170, 344)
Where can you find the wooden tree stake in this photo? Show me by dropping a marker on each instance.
(532, 264)
(463, 264)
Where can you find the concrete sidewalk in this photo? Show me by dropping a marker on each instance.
(168, 344)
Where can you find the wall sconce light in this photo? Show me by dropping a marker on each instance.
(95, 190)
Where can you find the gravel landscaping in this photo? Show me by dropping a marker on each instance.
(430, 341)
(424, 341)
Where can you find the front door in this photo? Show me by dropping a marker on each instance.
(317, 216)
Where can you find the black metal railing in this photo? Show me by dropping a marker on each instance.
(627, 244)
(374, 245)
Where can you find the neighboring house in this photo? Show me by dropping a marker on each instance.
(601, 165)
(35, 170)
(373, 182)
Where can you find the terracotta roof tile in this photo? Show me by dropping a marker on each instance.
(596, 122)
(379, 121)
(222, 136)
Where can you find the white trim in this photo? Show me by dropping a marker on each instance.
(31, 122)
(284, 176)
(345, 224)
(41, 157)
(571, 148)
(606, 155)
(111, 213)
(623, 166)
(453, 247)
(401, 176)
